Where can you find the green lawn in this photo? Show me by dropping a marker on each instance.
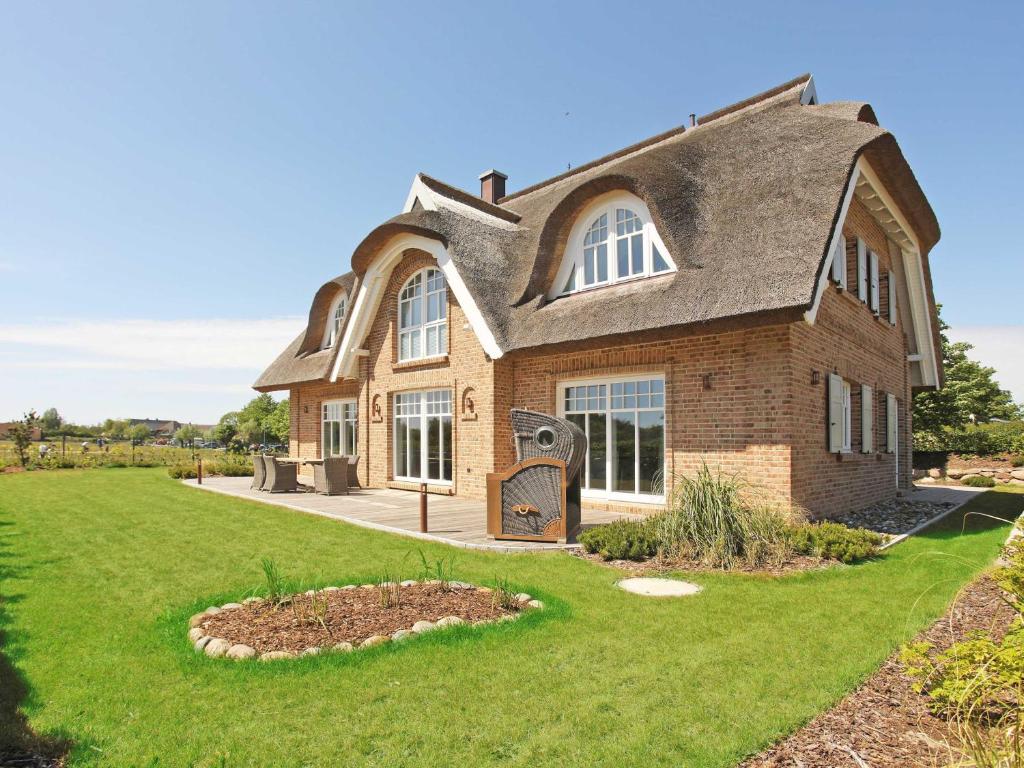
(99, 571)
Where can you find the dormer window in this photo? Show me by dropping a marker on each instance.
(335, 319)
(613, 240)
(423, 316)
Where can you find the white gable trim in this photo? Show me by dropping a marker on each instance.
(371, 290)
(837, 234)
(421, 191)
(432, 201)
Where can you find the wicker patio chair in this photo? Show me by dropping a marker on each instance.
(330, 477)
(259, 473)
(281, 476)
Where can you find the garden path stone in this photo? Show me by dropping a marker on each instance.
(655, 587)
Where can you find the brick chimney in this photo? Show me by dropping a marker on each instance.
(492, 185)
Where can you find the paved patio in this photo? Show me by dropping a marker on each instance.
(451, 520)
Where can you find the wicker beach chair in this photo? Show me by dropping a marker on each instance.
(259, 473)
(280, 476)
(330, 477)
(539, 497)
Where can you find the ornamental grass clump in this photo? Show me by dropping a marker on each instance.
(709, 520)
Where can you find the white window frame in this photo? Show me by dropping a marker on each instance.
(608, 494)
(348, 418)
(873, 296)
(422, 329)
(847, 418)
(422, 416)
(839, 263)
(572, 259)
(332, 329)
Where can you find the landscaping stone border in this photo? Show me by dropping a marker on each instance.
(216, 647)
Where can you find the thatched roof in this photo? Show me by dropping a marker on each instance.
(746, 203)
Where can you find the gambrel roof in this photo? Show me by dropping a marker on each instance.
(746, 203)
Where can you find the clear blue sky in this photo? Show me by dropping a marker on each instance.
(157, 161)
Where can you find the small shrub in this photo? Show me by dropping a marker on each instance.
(1017, 461)
(273, 579)
(621, 540)
(978, 481)
(182, 471)
(834, 541)
(504, 596)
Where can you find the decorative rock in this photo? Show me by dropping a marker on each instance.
(1017, 474)
(423, 626)
(274, 655)
(251, 600)
(409, 583)
(310, 592)
(508, 616)
(484, 590)
(311, 651)
(330, 589)
(460, 585)
(450, 621)
(216, 648)
(935, 472)
(200, 644)
(895, 516)
(955, 474)
(197, 619)
(927, 480)
(240, 651)
(342, 647)
(535, 604)
(213, 610)
(373, 640)
(655, 587)
(368, 586)
(347, 587)
(195, 633)
(401, 634)
(230, 606)
(522, 597)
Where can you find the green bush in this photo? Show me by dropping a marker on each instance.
(621, 540)
(182, 471)
(975, 439)
(835, 541)
(978, 481)
(1017, 461)
(229, 467)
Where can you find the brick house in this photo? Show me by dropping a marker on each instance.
(752, 291)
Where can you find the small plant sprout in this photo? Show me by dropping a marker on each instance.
(440, 571)
(389, 591)
(274, 581)
(318, 608)
(504, 596)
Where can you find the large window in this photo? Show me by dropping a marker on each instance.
(625, 425)
(423, 436)
(339, 428)
(423, 316)
(335, 318)
(619, 243)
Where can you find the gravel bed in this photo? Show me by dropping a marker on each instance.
(894, 517)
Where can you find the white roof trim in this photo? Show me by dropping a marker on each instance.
(421, 191)
(432, 201)
(371, 290)
(837, 233)
(810, 93)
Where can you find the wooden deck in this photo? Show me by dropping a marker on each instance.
(455, 521)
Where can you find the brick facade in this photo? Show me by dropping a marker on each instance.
(749, 399)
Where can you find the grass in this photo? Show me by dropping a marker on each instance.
(99, 572)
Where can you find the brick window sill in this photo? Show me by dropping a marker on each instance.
(425, 362)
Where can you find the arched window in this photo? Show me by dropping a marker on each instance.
(614, 240)
(423, 316)
(335, 318)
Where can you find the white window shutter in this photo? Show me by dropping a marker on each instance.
(867, 419)
(891, 414)
(862, 271)
(873, 272)
(835, 413)
(839, 262)
(891, 283)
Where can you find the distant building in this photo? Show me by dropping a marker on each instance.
(158, 427)
(7, 426)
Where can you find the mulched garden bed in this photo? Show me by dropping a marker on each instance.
(884, 723)
(353, 615)
(657, 565)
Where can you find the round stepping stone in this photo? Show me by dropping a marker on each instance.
(654, 587)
